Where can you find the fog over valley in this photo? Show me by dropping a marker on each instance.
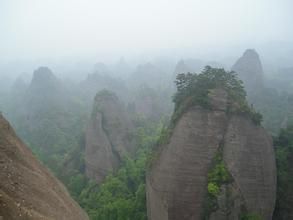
(66, 34)
(146, 110)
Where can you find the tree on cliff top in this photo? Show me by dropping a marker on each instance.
(194, 89)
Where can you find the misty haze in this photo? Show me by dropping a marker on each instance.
(146, 110)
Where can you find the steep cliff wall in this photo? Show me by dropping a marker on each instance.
(27, 189)
(109, 136)
(179, 182)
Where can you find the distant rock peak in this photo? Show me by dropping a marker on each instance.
(43, 77)
(43, 73)
(249, 69)
(251, 53)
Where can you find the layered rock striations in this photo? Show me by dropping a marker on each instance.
(216, 164)
(27, 189)
(109, 136)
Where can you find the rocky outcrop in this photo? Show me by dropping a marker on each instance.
(250, 71)
(177, 182)
(109, 136)
(27, 189)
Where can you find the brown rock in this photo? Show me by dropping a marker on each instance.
(27, 189)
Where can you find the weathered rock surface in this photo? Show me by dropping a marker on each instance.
(177, 181)
(109, 136)
(250, 71)
(250, 158)
(27, 189)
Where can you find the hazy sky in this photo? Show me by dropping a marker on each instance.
(64, 28)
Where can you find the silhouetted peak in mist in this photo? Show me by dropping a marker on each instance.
(249, 69)
(43, 77)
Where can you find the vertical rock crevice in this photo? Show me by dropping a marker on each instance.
(109, 136)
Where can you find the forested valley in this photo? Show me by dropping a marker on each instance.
(100, 136)
(146, 110)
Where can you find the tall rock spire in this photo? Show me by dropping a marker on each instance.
(250, 71)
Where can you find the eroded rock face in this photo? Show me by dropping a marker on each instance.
(250, 71)
(109, 136)
(177, 181)
(27, 189)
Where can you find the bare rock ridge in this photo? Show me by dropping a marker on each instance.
(250, 71)
(27, 189)
(109, 136)
(178, 181)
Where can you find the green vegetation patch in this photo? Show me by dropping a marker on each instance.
(122, 195)
(250, 216)
(218, 175)
(194, 89)
(284, 157)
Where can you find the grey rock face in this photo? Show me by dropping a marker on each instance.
(176, 184)
(250, 158)
(100, 158)
(250, 71)
(109, 136)
(177, 181)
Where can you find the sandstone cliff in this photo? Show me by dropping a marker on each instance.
(27, 189)
(109, 136)
(178, 180)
